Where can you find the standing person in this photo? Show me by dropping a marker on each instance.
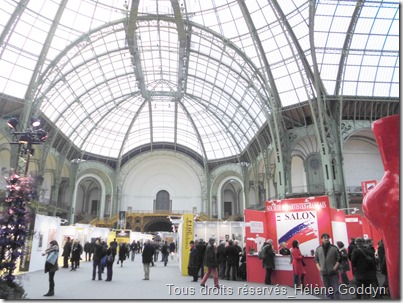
(297, 264)
(147, 256)
(363, 262)
(284, 250)
(268, 260)
(51, 265)
(232, 255)
(327, 259)
(193, 265)
(201, 247)
(96, 259)
(239, 249)
(109, 264)
(382, 263)
(76, 251)
(66, 252)
(122, 253)
(350, 249)
(222, 259)
(87, 250)
(139, 246)
(344, 265)
(165, 253)
(210, 260)
(114, 247)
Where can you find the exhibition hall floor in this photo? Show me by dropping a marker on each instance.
(166, 283)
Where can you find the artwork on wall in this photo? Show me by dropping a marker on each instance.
(301, 226)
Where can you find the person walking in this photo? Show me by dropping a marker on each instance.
(165, 252)
(147, 258)
(327, 259)
(51, 265)
(76, 251)
(210, 260)
(66, 252)
(133, 249)
(123, 250)
(344, 265)
(268, 254)
(297, 264)
(193, 264)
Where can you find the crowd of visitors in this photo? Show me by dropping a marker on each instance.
(227, 260)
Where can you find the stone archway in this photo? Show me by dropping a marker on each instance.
(158, 224)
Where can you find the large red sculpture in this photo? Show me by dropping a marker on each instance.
(381, 204)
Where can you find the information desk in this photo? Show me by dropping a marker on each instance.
(282, 274)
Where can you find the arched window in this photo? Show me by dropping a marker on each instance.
(314, 174)
(162, 203)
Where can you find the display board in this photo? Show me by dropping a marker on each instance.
(302, 219)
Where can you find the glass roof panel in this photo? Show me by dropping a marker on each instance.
(87, 82)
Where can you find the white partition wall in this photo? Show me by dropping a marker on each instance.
(46, 229)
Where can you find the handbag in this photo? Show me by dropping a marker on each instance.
(303, 262)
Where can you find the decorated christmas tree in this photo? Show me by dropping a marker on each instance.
(13, 232)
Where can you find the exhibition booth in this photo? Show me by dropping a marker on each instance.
(46, 229)
(302, 219)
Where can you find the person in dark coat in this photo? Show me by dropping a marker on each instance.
(232, 254)
(211, 261)
(327, 260)
(382, 263)
(172, 247)
(66, 252)
(147, 258)
(344, 266)
(88, 251)
(193, 265)
(96, 259)
(201, 247)
(222, 259)
(242, 267)
(239, 249)
(109, 264)
(51, 265)
(268, 260)
(133, 249)
(123, 250)
(114, 247)
(284, 250)
(76, 251)
(165, 253)
(364, 271)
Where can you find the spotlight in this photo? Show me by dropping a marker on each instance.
(12, 123)
(35, 122)
(24, 139)
(42, 135)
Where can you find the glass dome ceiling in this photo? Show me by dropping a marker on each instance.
(117, 75)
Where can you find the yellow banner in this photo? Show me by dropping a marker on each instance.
(187, 236)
